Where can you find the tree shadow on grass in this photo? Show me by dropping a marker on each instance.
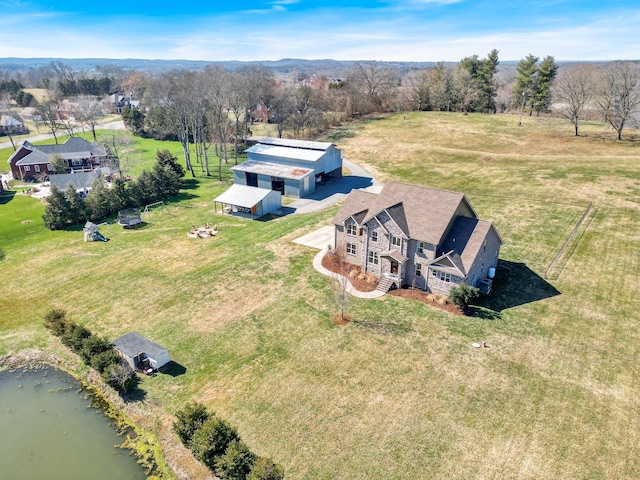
(382, 327)
(173, 368)
(515, 284)
(6, 197)
(135, 393)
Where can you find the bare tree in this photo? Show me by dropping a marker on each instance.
(341, 285)
(573, 91)
(372, 86)
(49, 116)
(619, 95)
(89, 112)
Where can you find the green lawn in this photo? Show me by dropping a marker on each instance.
(403, 395)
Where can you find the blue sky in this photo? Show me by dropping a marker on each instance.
(403, 30)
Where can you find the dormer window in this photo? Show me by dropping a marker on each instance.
(352, 229)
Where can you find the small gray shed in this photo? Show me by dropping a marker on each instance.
(140, 352)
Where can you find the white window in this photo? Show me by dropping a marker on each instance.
(418, 269)
(420, 247)
(396, 241)
(27, 168)
(49, 167)
(352, 229)
(445, 277)
(36, 168)
(351, 248)
(374, 259)
(374, 236)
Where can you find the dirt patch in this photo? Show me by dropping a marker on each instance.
(443, 303)
(361, 280)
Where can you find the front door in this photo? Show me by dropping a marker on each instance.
(394, 267)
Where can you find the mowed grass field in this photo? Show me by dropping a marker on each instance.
(404, 394)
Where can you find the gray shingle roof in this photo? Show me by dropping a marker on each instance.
(425, 213)
(133, 344)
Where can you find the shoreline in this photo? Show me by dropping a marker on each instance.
(144, 446)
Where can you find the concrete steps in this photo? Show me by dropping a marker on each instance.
(384, 284)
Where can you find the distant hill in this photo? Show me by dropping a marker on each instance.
(286, 65)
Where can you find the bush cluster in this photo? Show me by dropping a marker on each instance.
(462, 295)
(95, 351)
(66, 208)
(217, 444)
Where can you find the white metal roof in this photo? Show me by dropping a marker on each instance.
(244, 195)
(286, 142)
(304, 154)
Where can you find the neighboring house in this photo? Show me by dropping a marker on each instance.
(30, 161)
(67, 110)
(140, 352)
(260, 113)
(11, 125)
(291, 167)
(116, 102)
(31, 114)
(418, 236)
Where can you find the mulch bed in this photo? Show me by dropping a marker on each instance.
(359, 279)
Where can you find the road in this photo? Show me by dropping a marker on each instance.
(117, 125)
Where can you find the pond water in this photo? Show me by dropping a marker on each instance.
(48, 429)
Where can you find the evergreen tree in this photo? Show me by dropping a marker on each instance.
(236, 462)
(524, 86)
(165, 157)
(189, 420)
(547, 72)
(119, 196)
(99, 201)
(482, 73)
(56, 212)
(266, 469)
(212, 439)
(78, 212)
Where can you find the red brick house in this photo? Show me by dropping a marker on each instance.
(31, 161)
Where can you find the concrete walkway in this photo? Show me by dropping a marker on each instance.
(317, 264)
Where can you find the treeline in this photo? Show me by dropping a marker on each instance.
(85, 86)
(217, 444)
(96, 352)
(68, 207)
(15, 91)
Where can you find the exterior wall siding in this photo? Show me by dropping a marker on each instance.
(487, 258)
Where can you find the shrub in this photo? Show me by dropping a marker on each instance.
(212, 439)
(188, 420)
(74, 336)
(55, 320)
(236, 462)
(92, 346)
(120, 376)
(104, 360)
(265, 469)
(462, 294)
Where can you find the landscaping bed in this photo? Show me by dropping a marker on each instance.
(361, 280)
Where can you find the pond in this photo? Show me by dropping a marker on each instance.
(49, 429)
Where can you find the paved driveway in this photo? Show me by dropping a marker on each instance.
(320, 239)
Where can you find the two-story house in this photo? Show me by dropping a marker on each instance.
(418, 236)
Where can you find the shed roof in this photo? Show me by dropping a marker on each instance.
(244, 195)
(273, 169)
(133, 344)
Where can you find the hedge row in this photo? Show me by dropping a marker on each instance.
(95, 351)
(217, 444)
